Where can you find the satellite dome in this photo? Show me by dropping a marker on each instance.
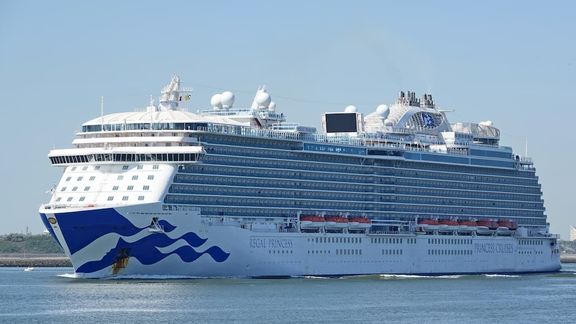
(388, 122)
(383, 111)
(263, 99)
(272, 106)
(227, 99)
(486, 123)
(216, 101)
(350, 109)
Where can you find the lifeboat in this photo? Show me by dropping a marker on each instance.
(448, 225)
(359, 223)
(336, 222)
(503, 231)
(311, 221)
(428, 224)
(504, 223)
(467, 226)
(485, 226)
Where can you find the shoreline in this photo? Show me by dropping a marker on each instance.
(568, 258)
(50, 260)
(38, 260)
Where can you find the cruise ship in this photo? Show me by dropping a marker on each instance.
(241, 192)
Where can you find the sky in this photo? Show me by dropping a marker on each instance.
(511, 62)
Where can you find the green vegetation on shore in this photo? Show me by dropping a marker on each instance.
(28, 244)
(568, 247)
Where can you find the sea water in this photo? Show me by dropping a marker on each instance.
(52, 295)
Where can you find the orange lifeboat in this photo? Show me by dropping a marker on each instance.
(448, 225)
(359, 222)
(467, 226)
(311, 221)
(504, 223)
(504, 227)
(428, 224)
(336, 222)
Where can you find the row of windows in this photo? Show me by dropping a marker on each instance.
(318, 251)
(82, 198)
(462, 177)
(130, 188)
(391, 240)
(465, 194)
(124, 198)
(110, 157)
(280, 252)
(134, 177)
(531, 242)
(428, 167)
(144, 126)
(275, 183)
(115, 188)
(350, 178)
(140, 167)
(263, 202)
(346, 205)
(450, 252)
(249, 141)
(272, 193)
(462, 202)
(288, 165)
(452, 241)
(466, 186)
(324, 167)
(348, 252)
(354, 178)
(272, 173)
(463, 169)
(124, 167)
(340, 165)
(332, 186)
(531, 252)
(74, 188)
(348, 240)
(393, 252)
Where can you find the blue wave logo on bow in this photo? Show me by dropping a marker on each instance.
(145, 250)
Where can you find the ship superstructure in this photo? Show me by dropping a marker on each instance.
(242, 192)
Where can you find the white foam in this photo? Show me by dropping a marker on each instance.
(394, 276)
(151, 277)
(500, 276)
(315, 277)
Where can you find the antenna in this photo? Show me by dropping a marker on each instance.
(102, 112)
(526, 147)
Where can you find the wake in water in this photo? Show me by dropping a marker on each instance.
(500, 276)
(131, 277)
(394, 276)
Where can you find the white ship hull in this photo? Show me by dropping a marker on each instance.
(119, 242)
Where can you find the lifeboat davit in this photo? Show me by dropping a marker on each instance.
(356, 223)
(311, 221)
(336, 222)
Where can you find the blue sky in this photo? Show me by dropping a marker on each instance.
(510, 62)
